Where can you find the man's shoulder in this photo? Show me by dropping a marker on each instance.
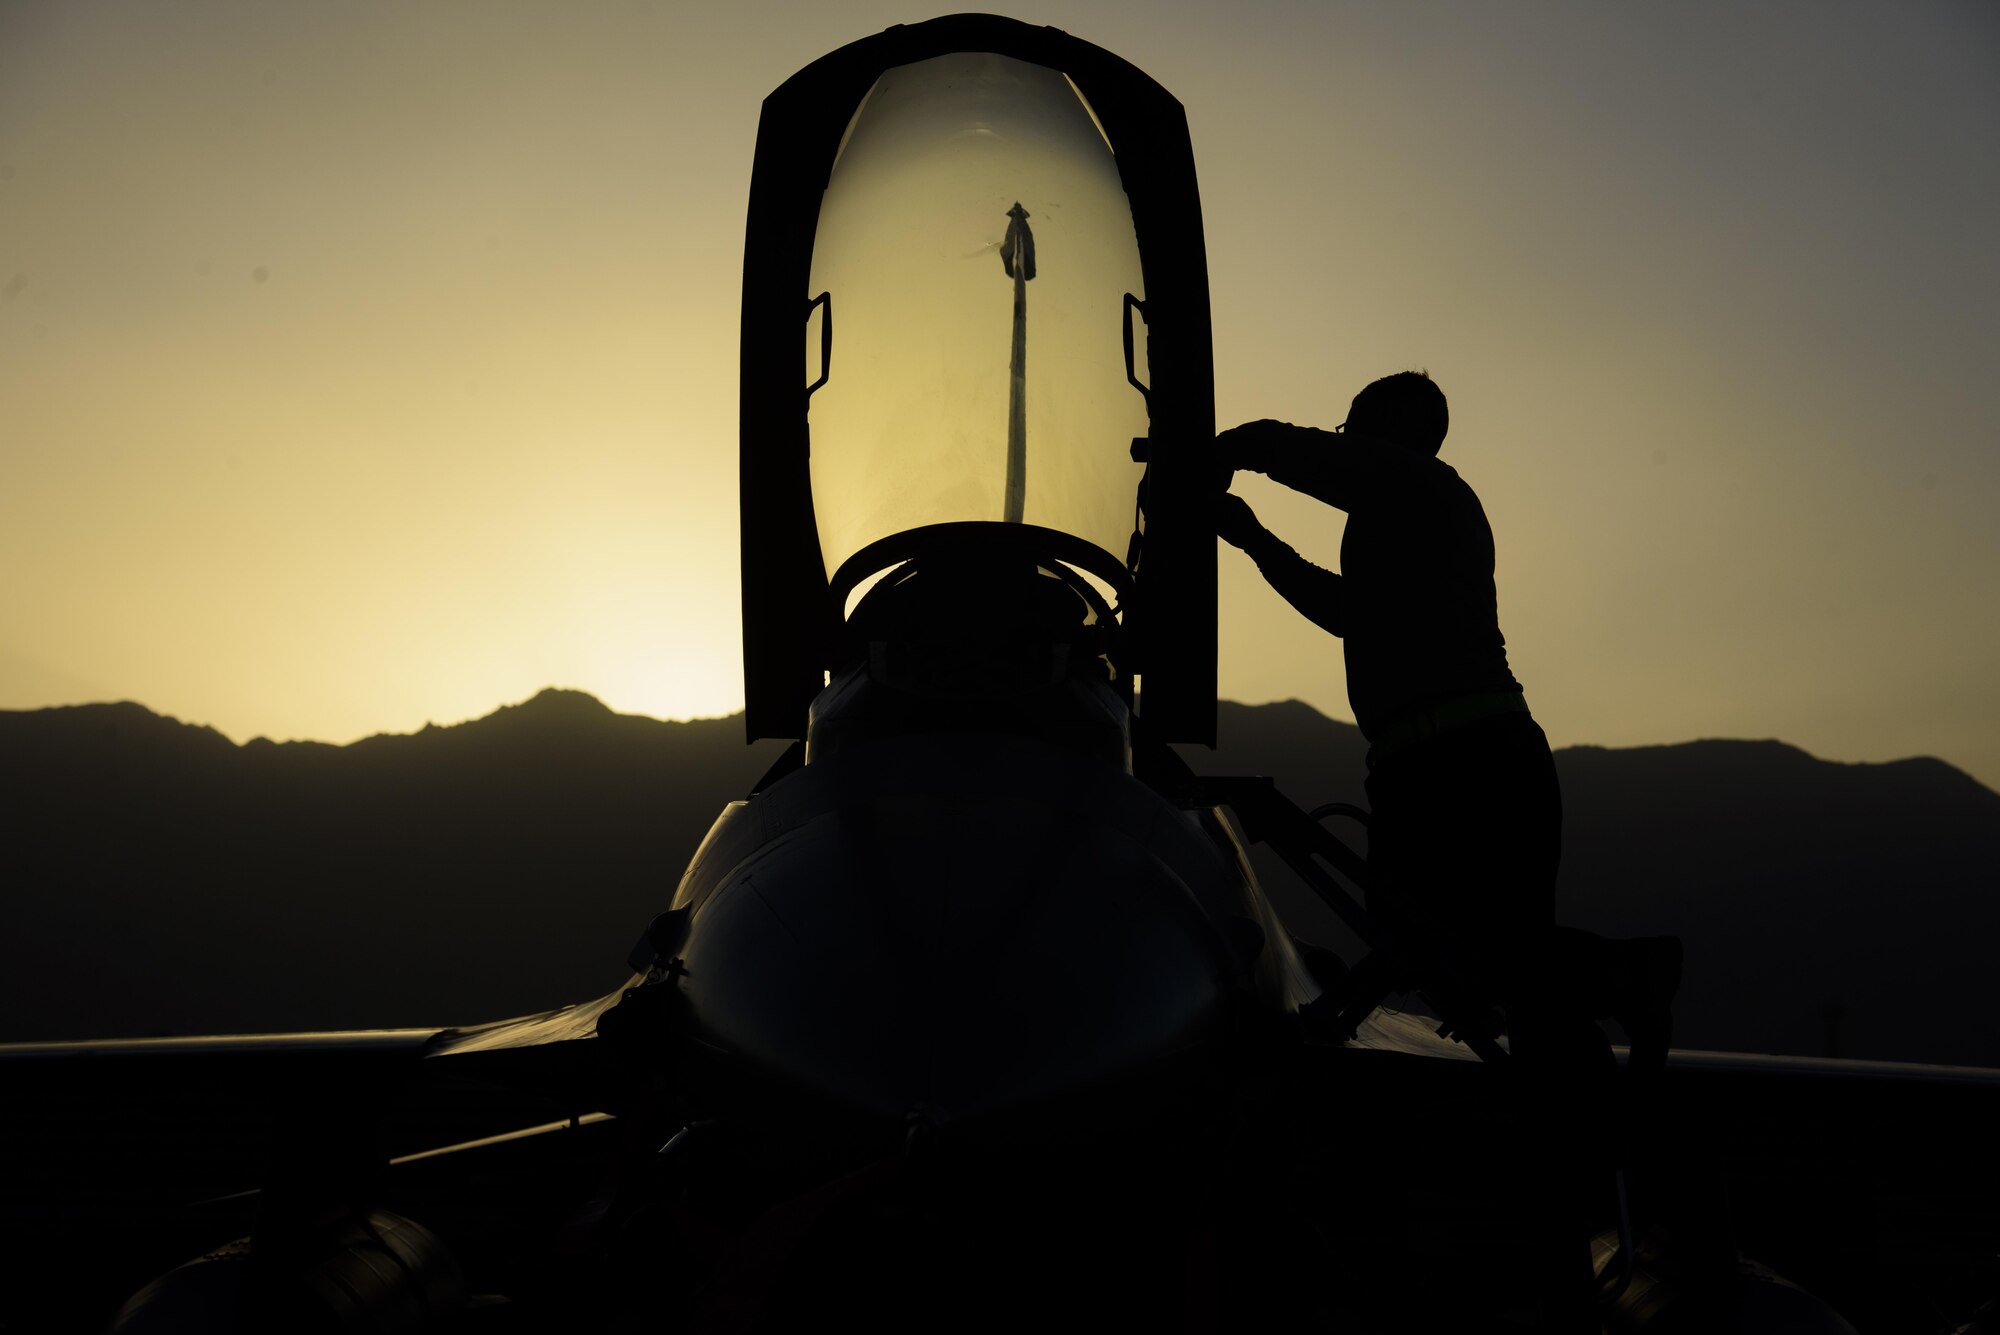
(1423, 476)
(1445, 482)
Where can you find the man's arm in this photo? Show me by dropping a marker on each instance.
(1319, 595)
(1340, 469)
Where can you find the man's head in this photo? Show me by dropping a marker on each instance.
(1406, 408)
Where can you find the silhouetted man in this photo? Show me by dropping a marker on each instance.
(1467, 814)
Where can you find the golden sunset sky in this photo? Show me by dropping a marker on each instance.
(369, 364)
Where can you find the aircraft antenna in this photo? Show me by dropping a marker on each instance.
(1017, 256)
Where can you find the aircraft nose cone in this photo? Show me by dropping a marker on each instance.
(966, 955)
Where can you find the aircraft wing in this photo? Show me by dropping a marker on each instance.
(120, 1158)
(208, 1111)
(38, 1072)
(97, 1058)
(1871, 1184)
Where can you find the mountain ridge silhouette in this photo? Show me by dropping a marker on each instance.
(171, 880)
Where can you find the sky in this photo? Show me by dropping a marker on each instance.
(375, 364)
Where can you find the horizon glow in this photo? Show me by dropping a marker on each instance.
(370, 368)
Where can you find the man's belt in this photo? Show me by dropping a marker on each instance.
(1420, 725)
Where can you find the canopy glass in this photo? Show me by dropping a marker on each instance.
(976, 247)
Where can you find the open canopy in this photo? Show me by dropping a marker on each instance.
(987, 239)
(962, 386)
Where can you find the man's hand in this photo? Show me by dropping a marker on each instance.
(1236, 523)
(1249, 446)
(1222, 470)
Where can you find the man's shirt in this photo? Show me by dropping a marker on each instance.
(1414, 604)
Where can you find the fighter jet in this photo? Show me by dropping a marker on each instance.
(972, 1014)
